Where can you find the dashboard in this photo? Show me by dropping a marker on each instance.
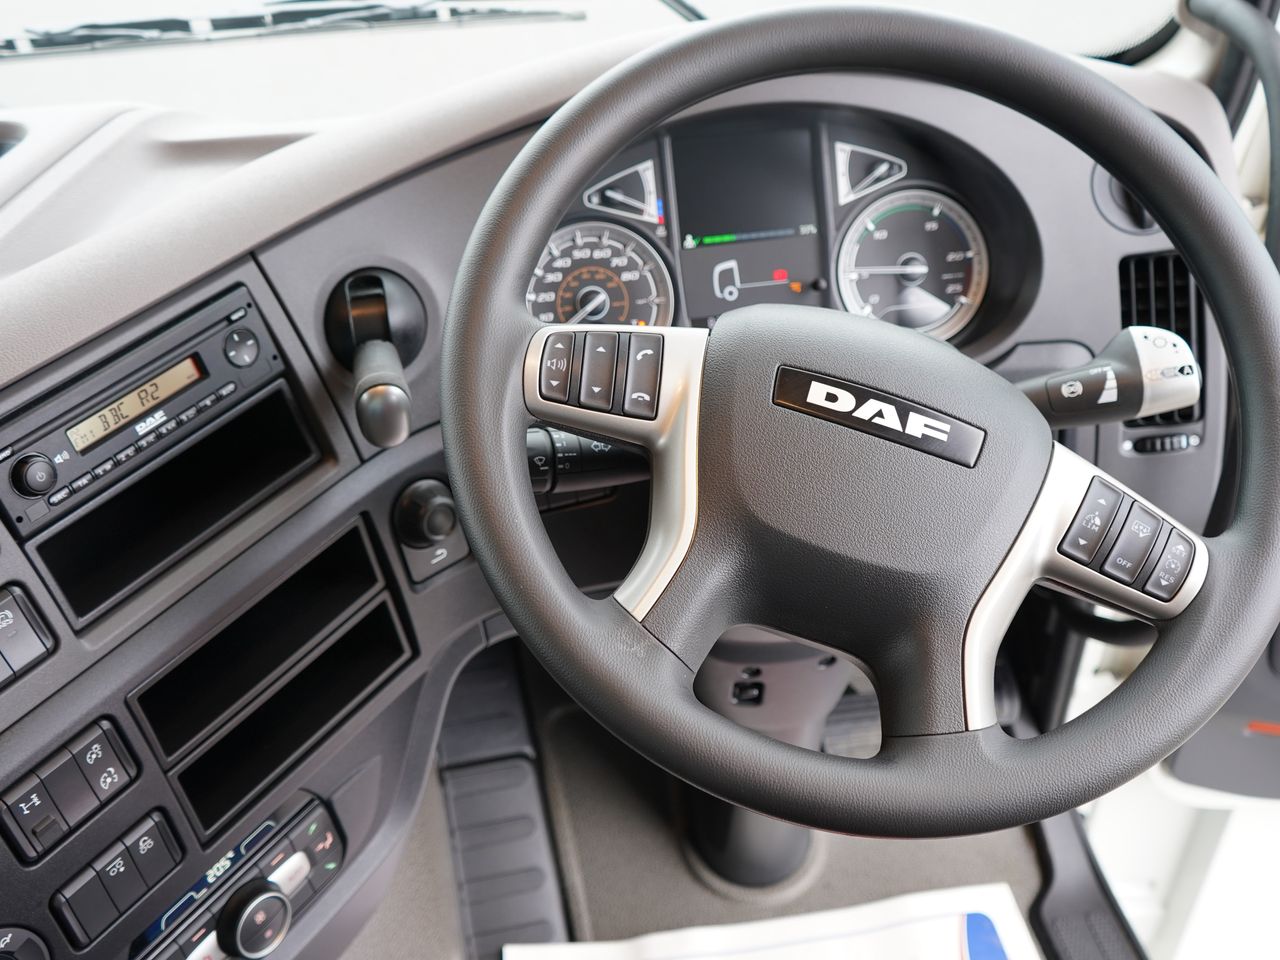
(187, 348)
(864, 211)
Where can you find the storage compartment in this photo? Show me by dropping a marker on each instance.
(270, 738)
(178, 503)
(230, 667)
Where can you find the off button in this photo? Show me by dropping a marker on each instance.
(34, 475)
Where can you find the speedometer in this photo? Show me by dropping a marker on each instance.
(915, 258)
(599, 272)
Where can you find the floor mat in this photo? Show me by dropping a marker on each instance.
(626, 872)
(965, 923)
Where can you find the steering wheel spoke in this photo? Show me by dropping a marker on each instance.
(640, 387)
(1091, 536)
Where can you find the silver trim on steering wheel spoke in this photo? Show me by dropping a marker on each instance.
(671, 439)
(1035, 558)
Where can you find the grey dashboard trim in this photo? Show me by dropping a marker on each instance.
(55, 305)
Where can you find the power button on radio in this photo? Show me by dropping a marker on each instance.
(34, 475)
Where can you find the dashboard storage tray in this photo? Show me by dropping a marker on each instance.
(289, 720)
(97, 556)
(192, 697)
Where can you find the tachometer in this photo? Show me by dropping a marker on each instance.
(601, 273)
(915, 258)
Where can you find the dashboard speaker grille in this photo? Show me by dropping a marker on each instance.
(1158, 290)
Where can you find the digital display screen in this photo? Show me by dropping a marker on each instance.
(121, 411)
(748, 219)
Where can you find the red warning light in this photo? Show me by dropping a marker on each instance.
(780, 275)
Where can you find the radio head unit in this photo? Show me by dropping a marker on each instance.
(86, 440)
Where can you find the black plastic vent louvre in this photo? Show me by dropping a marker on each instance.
(1157, 289)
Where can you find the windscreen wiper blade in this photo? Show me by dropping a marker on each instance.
(283, 17)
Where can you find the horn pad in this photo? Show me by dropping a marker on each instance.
(868, 481)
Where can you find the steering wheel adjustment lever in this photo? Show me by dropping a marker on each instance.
(1143, 371)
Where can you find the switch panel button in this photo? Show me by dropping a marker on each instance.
(152, 848)
(84, 908)
(318, 837)
(1096, 512)
(20, 643)
(557, 362)
(1172, 567)
(38, 820)
(599, 363)
(120, 877)
(1138, 535)
(100, 762)
(67, 787)
(644, 370)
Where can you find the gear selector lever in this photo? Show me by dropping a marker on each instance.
(1141, 372)
(376, 324)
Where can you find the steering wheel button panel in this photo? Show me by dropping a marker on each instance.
(1091, 522)
(557, 362)
(1138, 535)
(1172, 568)
(599, 365)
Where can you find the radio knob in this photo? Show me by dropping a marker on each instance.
(34, 475)
(254, 921)
(425, 514)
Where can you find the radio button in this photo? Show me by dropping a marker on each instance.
(128, 452)
(187, 415)
(102, 469)
(207, 402)
(167, 428)
(80, 482)
(148, 440)
(241, 347)
(226, 390)
(58, 496)
(34, 475)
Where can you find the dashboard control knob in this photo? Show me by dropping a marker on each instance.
(425, 514)
(19, 944)
(34, 475)
(254, 921)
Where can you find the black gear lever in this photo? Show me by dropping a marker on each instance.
(376, 324)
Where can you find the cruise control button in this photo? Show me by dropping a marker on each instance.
(644, 367)
(553, 375)
(599, 363)
(1172, 569)
(1131, 549)
(1096, 512)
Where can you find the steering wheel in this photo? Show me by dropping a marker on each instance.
(854, 483)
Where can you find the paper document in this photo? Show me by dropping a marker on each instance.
(963, 923)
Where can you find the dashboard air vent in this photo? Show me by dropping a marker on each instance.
(1157, 289)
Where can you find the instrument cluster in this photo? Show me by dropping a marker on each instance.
(878, 215)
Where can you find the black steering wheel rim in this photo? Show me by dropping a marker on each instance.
(641, 690)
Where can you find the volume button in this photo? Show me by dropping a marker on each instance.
(34, 475)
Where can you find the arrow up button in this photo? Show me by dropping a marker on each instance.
(1089, 527)
(599, 366)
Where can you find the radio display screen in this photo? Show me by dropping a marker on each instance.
(120, 412)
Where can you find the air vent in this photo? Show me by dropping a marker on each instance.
(1157, 290)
